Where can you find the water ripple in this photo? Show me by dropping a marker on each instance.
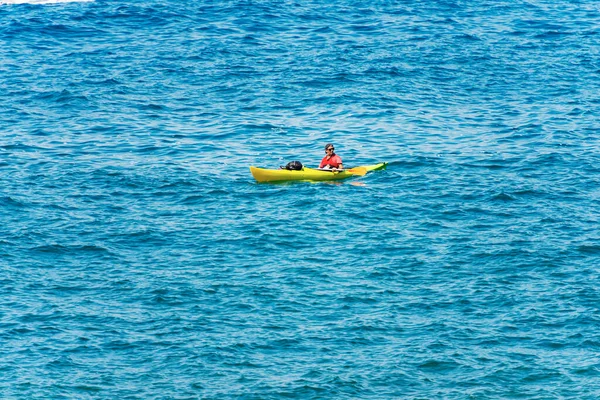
(138, 257)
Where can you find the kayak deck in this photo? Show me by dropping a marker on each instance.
(308, 174)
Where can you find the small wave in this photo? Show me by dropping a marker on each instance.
(60, 249)
(20, 147)
(42, 1)
(9, 201)
(503, 196)
(65, 96)
(589, 248)
(552, 35)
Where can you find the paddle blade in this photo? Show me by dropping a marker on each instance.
(360, 171)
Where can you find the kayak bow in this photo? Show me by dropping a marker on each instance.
(311, 174)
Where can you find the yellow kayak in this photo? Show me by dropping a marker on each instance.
(311, 174)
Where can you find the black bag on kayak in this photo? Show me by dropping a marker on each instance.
(293, 166)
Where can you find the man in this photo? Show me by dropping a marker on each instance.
(331, 160)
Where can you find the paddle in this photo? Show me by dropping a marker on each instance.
(360, 171)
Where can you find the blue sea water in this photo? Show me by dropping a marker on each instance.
(139, 258)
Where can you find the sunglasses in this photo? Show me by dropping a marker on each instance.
(331, 148)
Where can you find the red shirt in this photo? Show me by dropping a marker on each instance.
(334, 161)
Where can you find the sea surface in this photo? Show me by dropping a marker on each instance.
(139, 259)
